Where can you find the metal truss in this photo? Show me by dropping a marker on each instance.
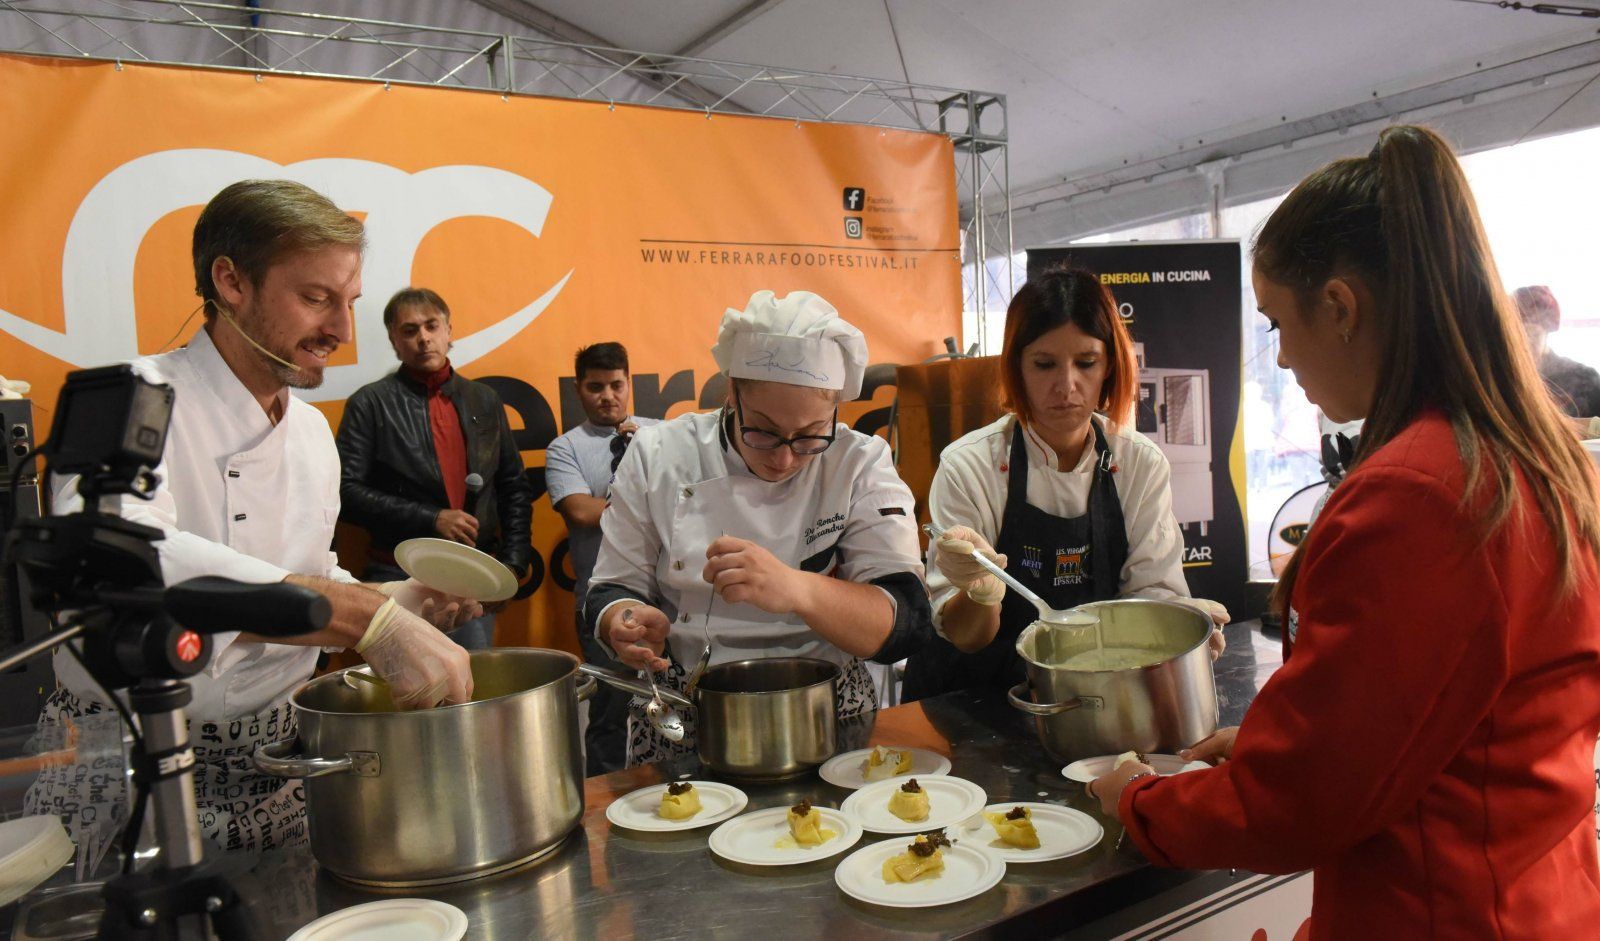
(273, 40)
(983, 176)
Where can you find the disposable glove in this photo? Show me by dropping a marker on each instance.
(444, 611)
(956, 562)
(422, 666)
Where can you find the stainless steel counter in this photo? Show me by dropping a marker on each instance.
(613, 884)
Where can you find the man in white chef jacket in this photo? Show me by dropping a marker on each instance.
(798, 524)
(250, 491)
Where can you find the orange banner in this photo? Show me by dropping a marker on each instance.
(545, 224)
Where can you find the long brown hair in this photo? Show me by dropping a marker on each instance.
(1054, 299)
(1403, 219)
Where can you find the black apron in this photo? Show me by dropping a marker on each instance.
(1067, 562)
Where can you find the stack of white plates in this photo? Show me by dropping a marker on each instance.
(31, 850)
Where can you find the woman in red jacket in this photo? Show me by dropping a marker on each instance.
(1427, 749)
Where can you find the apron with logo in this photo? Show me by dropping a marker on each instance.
(239, 807)
(1067, 562)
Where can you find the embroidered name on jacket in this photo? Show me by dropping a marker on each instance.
(824, 526)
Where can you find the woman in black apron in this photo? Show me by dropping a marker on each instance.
(1070, 381)
(1091, 548)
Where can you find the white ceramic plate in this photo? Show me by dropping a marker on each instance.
(845, 770)
(950, 801)
(763, 839)
(456, 569)
(968, 871)
(1062, 832)
(637, 811)
(1087, 769)
(389, 920)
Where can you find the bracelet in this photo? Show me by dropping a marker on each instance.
(1089, 788)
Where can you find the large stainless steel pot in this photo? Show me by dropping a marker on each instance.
(438, 795)
(1165, 706)
(760, 720)
(766, 719)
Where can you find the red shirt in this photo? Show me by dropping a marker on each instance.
(1429, 748)
(448, 443)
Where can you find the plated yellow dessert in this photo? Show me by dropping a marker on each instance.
(1128, 756)
(805, 825)
(921, 860)
(884, 763)
(679, 801)
(909, 802)
(1015, 827)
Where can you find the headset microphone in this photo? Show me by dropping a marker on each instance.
(251, 340)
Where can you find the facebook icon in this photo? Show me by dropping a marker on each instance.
(854, 198)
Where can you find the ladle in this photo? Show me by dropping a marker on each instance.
(662, 716)
(705, 655)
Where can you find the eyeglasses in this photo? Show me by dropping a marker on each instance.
(767, 441)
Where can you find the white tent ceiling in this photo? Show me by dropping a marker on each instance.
(1092, 86)
(1118, 112)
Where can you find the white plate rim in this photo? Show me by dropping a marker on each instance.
(830, 770)
(661, 825)
(848, 837)
(455, 918)
(506, 581)
(994, 860)
(1076, 771)
(1015, 854)
(976, 798)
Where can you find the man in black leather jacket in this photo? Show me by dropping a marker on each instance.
(428, 452)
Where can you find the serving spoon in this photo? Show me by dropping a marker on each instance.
(662, 716)
(705, 655)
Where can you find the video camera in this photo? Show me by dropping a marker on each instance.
(104, 572)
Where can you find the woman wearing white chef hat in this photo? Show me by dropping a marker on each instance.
(798, 524)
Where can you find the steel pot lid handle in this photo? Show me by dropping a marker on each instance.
(633, 686)
(1016, 693)
(276, 759)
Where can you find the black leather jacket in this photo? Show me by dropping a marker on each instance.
(390, 482)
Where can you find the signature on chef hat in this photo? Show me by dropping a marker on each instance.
(798, 339)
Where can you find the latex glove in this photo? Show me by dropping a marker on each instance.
(444, 611)
(1218, 615)
(956, 548)
(1211, 609)
(422, 666)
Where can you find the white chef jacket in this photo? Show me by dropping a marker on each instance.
(241, 498)
(682, 485)
(971, 485)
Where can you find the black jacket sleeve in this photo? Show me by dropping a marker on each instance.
(513, 501)
(913, 617)
(359, 502)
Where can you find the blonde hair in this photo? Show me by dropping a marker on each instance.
(253, 223)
